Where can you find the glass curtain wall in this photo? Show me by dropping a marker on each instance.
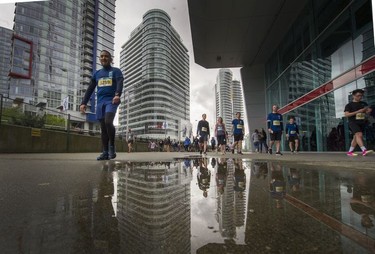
(324, 46)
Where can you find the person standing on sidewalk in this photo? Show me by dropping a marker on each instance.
(263, 141)
(238, 130)
(221, 135)
(109, 83)
(255, 140)
(356, 112)
(275, 128)
(203, 131)
(292, 133)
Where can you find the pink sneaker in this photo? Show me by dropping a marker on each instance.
(351, 154)
(365, 152)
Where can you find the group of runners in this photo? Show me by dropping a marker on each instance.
(109, 84)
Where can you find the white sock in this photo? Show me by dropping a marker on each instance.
(363, 148)
(351, 149)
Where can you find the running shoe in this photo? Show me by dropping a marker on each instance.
(270, 151)
(292, 152)
(278, 154)
(111, 152)
(295, 151)
(365, 152)
(351, 154)
(103, 156)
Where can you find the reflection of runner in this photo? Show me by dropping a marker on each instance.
(277, 184)
(357, 111)
(221, 175)
(203, 176)
(239, 178)
(294, 179)
(363, 201)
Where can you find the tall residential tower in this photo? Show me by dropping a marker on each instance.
(156, 89)
(228, 97)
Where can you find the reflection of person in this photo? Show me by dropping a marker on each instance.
(203, 131)
(275, 128)
(221, 175)
(294, 179)
(363, 200)
(109, 83)
(204, 176)
(356, 112)
(277, 184)
(239, 178)
(130, 140)
(292, 133)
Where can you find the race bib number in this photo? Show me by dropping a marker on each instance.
(292, 132)
(279, 189)
(105, 82)
(220, 128)
(204, 129)
(360, 116)
(239, 126)
(276, 123)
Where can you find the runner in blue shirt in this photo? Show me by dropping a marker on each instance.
(109, 84)
(292, 133)
(238, 130)
(275, 128)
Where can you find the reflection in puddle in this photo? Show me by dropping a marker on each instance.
(194, 205)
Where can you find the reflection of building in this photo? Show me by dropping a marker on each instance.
(156, 88)
(225, 208)
(154, 208)
(228, 97)
(323, 49)
(5, 45)
(231, 204)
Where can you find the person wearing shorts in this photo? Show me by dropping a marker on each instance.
(356, 111)
(238, 130)
(292, 133)
(275, 128)
(109, 83)
(221, 136)
(130, 140)
(203, 131)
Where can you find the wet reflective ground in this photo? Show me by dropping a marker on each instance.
(191, 205)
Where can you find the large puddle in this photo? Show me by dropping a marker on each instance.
(193, 205)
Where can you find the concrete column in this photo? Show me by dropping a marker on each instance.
(253, 82)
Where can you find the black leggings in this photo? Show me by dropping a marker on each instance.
(108, 130)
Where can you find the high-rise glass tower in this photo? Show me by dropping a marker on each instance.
(66, 38)
(156, 90)
(5, 45)
(229, 97)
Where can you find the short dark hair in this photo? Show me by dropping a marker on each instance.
(358, 91)
(109, 53)
(292, 117)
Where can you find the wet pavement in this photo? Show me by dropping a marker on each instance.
(180, 203)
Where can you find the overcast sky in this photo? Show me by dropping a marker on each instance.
(129, 15)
